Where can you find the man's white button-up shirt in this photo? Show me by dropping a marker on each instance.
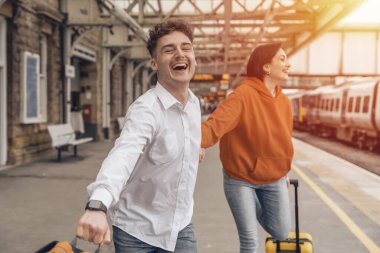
(148, 178)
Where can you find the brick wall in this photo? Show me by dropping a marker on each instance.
(30, 141)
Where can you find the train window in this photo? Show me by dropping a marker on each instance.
(337, 101)
(350, 104)
(366, 104)
(358, 104)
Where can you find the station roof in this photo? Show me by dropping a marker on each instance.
(227, 31)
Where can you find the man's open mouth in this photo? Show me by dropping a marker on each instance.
(179, 66)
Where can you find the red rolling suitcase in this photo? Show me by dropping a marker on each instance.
(296, 242)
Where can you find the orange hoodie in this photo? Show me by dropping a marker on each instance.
(255, 132)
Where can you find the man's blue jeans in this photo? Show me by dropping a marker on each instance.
(266, 203)
(125, 243)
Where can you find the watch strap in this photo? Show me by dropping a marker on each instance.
(96, 205)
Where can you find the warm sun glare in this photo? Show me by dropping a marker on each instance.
(366, 13)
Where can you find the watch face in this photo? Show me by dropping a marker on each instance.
(94, 204)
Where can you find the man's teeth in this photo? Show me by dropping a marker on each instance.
(180, 66)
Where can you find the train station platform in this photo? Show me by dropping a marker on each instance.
(339, 202)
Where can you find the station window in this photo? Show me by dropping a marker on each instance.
(350, 104)
(357, 104)
(331, 105)
(43, 77)
(337, 102)
(34, 85)
(366, 104)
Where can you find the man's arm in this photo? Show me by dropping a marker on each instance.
(116, 169)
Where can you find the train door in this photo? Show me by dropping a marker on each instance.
(3, 94)
(344, 103)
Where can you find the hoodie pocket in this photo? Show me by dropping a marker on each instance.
(270, 168)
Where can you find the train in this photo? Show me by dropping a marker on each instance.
(349, 112)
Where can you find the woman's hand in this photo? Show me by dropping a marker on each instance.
(287, 180)
(202, 154)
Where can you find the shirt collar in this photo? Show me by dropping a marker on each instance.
(168, 99)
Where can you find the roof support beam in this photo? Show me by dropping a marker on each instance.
(122, 15)
(227, 31)
(267, 19)
(168, 15)
(141, 11)
(324, 22)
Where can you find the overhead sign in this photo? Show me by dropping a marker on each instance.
(69, 71)
(203, 77)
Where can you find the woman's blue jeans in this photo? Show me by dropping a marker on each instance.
(266, 203)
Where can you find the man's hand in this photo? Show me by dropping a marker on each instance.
(93, 226)
(202, 154)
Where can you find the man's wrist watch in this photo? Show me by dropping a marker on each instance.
(96, 205)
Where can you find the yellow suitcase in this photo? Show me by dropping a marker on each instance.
(296, 242)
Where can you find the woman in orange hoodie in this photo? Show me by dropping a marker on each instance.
(254, 126)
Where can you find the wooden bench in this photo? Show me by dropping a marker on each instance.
(63, 136)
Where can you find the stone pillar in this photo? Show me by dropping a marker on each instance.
(145, 81)
(3, 93)
(106, 93)
(129, 84)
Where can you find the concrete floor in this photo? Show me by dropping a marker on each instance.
(42, 201)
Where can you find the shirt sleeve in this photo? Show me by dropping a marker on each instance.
(224, 119)
(139, 129)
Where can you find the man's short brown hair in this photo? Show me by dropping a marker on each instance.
(165, 28)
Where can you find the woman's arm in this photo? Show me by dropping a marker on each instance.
(224, 119)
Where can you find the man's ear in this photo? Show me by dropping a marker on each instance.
(153, 64)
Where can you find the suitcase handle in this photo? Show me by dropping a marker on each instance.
(75, 241)
(294, 182)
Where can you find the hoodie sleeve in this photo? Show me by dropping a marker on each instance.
(224, 119)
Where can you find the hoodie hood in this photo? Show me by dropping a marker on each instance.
(258, 85)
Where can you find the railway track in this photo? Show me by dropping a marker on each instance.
(367, 160)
